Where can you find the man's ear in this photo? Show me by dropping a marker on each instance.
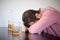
(39, 10)
(37, 15)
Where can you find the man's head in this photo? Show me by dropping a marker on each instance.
(29, 17)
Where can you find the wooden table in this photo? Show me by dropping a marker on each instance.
(4, 35)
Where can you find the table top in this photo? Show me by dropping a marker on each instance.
(4, 35)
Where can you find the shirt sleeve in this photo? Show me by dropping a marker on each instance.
(49, 17)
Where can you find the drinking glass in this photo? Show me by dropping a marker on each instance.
(16, 28)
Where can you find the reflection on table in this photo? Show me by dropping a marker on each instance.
(5, 35)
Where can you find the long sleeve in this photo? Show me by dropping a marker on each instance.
(49, 17)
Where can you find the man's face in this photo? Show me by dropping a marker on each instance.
(31, 23)
(38, 16)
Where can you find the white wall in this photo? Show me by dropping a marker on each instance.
(13, 9)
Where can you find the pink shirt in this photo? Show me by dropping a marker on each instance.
(49, 22)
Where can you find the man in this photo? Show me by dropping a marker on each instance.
(47, 20)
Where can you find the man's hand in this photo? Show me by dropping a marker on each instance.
(24, 29)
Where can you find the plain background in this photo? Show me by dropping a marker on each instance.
(13, 9)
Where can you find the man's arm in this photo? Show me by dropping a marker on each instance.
(24, 29)
(49, 17)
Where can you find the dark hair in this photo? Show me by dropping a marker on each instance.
(29, 16)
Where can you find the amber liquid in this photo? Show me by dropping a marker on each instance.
(10, 28)
(15, 32)
(11, 31)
